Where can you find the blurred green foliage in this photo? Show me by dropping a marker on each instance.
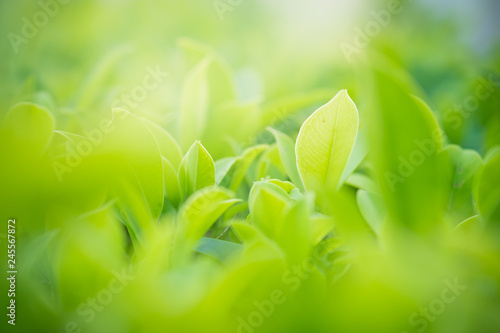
(167, 170)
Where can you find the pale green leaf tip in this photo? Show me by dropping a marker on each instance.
(30, 104)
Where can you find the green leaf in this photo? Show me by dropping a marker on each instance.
(136, 166)
(218, 249)
(247, 233)
(267, 165)
(66, 143)
(325, 142)
(222, 167)
(28, 127)
(487, 191)
(464, 164)
(134, 208)
(203, 208)
(358, 154)
(194, 105)
(470, 226)
(219, 74)
(252, 236)
(166, 143)
(287, 186)
(45, 99)
(321, 226)
(406, 142)
(363, 182)
(171, 182)
(239, 168)
(197, 170)
(372, 208)
(286, 149)
(349, 222)
(294, 235)
(226, 119)
(267, 203)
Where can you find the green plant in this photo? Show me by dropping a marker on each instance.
(263, 196)
(280, 224)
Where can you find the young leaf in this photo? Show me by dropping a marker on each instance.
(247, 233)
(166, 143)
(349, 221)
(226, 119)
(28, 127)
(372, 208)
(358, 154)
(464, 164)
(267, 203)
(222, 167)
(286, 149)
(171, 182)
(363, 182)
(325, 142)
(321, 226)
(219, 74)
(239, 168)
(197, 170)
(287, 186)
(253, 237)
(487, 190)
(267, 165)
(407, 141)
(470, 226)
(202, 209)
(218, 249)
(295, 233)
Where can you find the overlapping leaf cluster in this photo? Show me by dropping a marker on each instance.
(351, 213)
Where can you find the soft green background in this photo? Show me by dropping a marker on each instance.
(123, 202)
